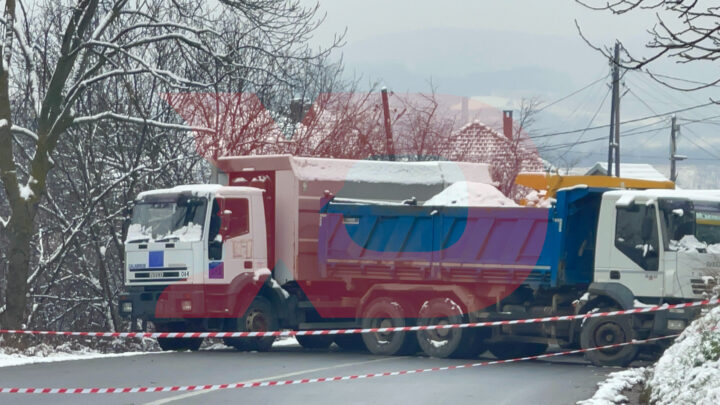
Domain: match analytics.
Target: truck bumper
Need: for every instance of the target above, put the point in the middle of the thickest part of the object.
(673, 321)
(151, 303)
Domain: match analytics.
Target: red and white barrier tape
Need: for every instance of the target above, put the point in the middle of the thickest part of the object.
(369, 330)
(178, 388)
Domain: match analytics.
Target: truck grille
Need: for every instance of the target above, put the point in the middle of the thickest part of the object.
(158, 275)
(700, 286)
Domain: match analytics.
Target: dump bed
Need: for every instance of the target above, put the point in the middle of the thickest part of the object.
(490, 250)
(295, 187)
(475, 245)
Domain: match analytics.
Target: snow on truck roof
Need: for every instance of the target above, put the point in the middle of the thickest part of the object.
(628, 195)
(369, 171)
(201, 189)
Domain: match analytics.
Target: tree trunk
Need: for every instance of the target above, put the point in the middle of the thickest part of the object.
(19, 233)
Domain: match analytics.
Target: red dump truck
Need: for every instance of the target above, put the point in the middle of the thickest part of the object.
(198, 256)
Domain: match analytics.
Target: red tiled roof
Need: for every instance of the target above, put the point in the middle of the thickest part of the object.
(477, 142)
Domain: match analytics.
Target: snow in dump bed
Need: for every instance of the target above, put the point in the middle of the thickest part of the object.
(375, 171)
(470, 194)
(538, 199)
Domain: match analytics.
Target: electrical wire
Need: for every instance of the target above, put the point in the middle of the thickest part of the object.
(623, 122)
(602, 103)
(602, 138)
(573, 93)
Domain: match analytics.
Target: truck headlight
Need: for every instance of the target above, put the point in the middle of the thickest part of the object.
(186, 305)
(676, 324)
(126, 307)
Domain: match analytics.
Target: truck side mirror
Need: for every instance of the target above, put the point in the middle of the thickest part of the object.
(215, 250)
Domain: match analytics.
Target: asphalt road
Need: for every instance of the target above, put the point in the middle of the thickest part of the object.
(562, 380)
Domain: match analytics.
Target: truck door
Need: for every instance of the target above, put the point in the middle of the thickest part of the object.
(636, 252)
(230, 247)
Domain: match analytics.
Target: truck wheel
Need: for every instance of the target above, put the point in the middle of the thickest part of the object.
(607, 331)
(180, 344)
(386, 313)
(315, 342)
(515, 350)
(259, 317)
(350, 343)
(455, 342)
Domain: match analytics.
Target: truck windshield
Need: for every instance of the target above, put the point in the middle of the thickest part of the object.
(691, 226)
(167, 218)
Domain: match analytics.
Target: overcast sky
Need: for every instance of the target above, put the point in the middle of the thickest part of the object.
(503, 51)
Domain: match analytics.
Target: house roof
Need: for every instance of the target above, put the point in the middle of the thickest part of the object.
(478, 142)
(641, 171)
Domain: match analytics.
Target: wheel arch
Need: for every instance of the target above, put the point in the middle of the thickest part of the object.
(614, 294)
(416, 294)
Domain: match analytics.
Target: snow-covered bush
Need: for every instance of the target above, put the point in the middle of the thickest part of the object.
(689, 371)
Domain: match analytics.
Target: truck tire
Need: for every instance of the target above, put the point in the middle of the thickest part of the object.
(514, 350)
(603, 331)
(385, 313)
(180, 344)
(315, 342)
(455, 342)
(350, 342)
(259, 317)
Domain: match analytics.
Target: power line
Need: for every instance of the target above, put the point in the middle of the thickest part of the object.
(641, 101)
(680, 79)
(704, 149)
(627, 134)
(647, 156)
(602, 103)
(699, 120)
(623, 122)
(573, 93)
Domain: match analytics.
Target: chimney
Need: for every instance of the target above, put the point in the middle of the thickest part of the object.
(508, 124)
(465, 117)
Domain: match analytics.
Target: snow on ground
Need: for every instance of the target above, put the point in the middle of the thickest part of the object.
(44, 353)
(610, 390)
(216, 344)
(470, 194)
(687, 373)
(286, 341)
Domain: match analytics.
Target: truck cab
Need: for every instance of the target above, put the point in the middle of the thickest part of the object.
(662, 245)
(189, 249)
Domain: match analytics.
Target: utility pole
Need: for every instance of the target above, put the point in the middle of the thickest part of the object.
(389, 146)
(674, 157)
(614, 141)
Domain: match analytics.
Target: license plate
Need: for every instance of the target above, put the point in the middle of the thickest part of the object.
(156, 274)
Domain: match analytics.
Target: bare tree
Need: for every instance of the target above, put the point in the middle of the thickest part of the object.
(79, 72)
(426, 126)
(686, 31)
